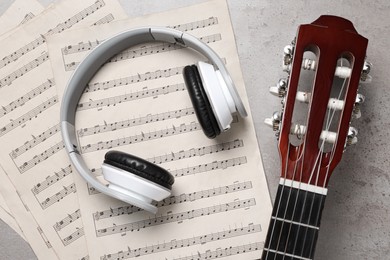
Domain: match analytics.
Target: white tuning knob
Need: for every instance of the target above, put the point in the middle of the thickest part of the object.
(274, 121)
(288, 54)
(365, 77)
(309, 64)
(300, 130)
(333, 103)
(358, 102)
(280, 89)
(352, 136)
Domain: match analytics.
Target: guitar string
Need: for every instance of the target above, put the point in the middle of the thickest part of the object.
(305, 197)
(277, 210)
(328, 124)
(288, 199)
(328, 170)
(280, 198)
(297, 196)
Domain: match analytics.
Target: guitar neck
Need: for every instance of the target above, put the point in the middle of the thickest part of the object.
(295, 221)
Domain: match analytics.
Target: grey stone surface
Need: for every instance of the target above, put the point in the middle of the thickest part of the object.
(356, 218)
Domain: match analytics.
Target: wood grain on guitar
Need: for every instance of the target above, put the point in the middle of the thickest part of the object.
(325, 64)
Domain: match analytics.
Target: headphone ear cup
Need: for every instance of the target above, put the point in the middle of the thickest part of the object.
(136, 180)
(200, 102)
(140, 168)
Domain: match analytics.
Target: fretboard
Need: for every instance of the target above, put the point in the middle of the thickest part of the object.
(295, 222)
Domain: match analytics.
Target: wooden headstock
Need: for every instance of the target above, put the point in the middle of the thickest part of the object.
(337, 51)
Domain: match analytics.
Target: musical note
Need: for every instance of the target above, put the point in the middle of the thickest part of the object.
(182, 198)
(113, 101)
(67, 220)
(7, 80)
(35, 141)
(27, 17)
(183, 128)
(199, 151)
(58, 196)
(196, 25)
(26, 97)
(227, 251)
(50, 180)
(165, 73)
(106, 127)
(186, 242)
(92, 190)
(175, 217)
(14, 56)
(80, 47)
(73, 237)
(143, 51)
(37, 159)
(29, 115)
(209, 166)
(106, 19)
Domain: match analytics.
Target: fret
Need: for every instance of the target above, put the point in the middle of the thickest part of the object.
(295, 222)
(277, 255)
(298, 205)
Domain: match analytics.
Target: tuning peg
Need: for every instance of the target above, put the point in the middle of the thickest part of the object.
(352, 136)
(274, 121)
(333, 103)
(358, 102)
(366, 71)
(280, 89)
(288, 52)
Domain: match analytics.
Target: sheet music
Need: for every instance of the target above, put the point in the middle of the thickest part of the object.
(138, 103)
(18, 13)
(29, 115)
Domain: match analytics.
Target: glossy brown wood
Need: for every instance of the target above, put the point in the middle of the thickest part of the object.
(334, 37)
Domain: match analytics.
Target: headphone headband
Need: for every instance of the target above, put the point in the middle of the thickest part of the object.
(92, 63)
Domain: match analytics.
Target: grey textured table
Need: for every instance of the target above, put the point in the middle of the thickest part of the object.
(356, 218)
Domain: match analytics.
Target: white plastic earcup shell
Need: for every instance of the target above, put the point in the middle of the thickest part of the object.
(213, 86)
(139, 191)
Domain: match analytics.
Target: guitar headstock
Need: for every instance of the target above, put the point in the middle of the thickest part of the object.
(325, 65)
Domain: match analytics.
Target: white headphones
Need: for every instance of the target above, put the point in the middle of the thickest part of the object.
(132, 179)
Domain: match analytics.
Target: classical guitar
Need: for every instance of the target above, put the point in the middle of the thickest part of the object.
(326, 63)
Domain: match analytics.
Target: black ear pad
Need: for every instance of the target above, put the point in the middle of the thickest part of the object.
(140, 167)
(201, 103)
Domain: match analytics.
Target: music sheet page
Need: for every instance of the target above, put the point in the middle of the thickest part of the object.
(45, 194)
(138, 103)
(18, 13)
